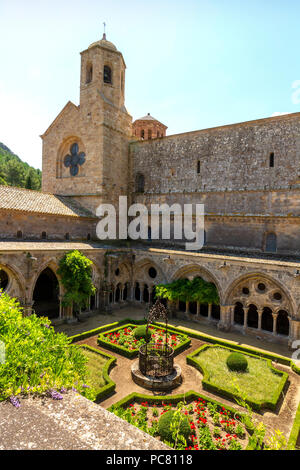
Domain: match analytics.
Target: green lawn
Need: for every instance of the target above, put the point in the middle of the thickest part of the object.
(95, 368)
(259, 383)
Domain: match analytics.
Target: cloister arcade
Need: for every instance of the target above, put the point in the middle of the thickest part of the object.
(252, 303)
(261, 304)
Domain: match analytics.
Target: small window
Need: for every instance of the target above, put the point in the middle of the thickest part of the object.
(107, 75)
(142, 134)
(88, 236)
(198, 167)
(44, 235)
(140, 183)
(89, 73)
(149, 134)
(271, 160)
(271, 243)
(67, 236)
(19, 234)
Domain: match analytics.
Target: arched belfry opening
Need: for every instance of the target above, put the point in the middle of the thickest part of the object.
(89, 73)
(46, 295)
(107, 74)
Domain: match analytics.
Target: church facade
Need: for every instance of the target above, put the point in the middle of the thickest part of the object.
(247, 175)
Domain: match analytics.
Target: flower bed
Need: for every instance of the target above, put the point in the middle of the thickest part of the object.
(123, 341)
(211, 426)
(261, 385)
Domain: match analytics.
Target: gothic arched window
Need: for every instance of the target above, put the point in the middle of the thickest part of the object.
(107, 75)
(140, 183)
(271, 243)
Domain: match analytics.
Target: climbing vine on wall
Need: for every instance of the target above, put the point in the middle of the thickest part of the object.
(197, 290)
(75, 271)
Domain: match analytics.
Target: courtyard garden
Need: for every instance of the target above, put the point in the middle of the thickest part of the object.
(217, 406)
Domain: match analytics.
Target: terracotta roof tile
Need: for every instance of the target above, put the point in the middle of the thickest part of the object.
(27, 200)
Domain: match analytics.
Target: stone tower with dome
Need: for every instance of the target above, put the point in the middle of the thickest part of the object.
(148, 127)
(85, 149)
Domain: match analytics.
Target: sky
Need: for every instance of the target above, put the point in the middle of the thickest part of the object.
(193, 64)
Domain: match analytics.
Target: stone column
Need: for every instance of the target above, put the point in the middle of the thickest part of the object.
(60, 306)
(246, 309)
(209, 311)
(274, 315)
(27, 309)
(198, 310)
(294, 332)
(131, 291)
(225, 318)
(259, 312)
(171, 305)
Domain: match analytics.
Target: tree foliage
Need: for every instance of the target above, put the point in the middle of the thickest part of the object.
(15, 172)
(75, 271)
(197, 290)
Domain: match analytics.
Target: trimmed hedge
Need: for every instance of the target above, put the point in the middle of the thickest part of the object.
(256, 405)
(174, 399)
(132, 354)
(110, 386)
(295, 432)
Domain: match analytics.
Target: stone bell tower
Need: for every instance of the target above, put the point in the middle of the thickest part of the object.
(85, 150)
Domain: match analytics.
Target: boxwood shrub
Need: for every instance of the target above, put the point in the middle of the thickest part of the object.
(164, 425)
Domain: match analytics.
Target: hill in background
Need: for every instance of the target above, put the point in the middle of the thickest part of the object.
(15, 172)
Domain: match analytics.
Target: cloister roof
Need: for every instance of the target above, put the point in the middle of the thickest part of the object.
(27, 200)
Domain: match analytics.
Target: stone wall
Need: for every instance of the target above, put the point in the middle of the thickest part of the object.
(233, 157)
(31, 226)
(228, 170)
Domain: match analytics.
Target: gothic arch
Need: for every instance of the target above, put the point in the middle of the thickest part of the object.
(191, 271)
(51, 264)
(141, 272)
(16, 282)
(260, 298)
(124, 274)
